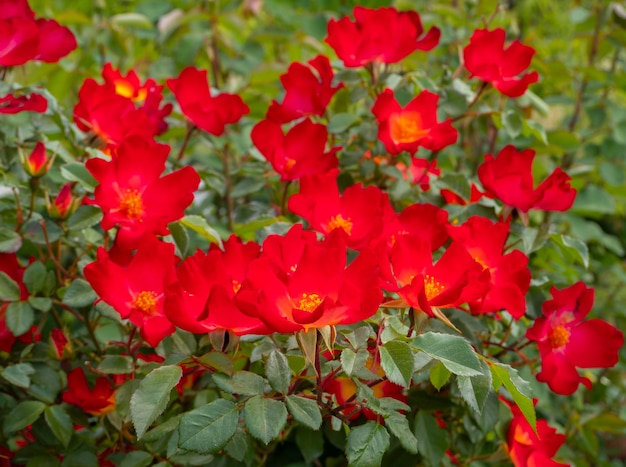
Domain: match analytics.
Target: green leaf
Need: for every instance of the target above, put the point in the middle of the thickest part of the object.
(60, 423)
(431, 439)
(35, 277)
(593, 201)
(453, 351)
(116, 365)
(265, 418)
(277, 371)
(200, 225)
(19, 374)
(207, 429)
(244, 383)
(152, 396)
(131, 20)
(305, 411)
(218, 361)
(76, 172)
(10, 241)
(340, 122)
(23, 414)
(366, 445)
(352, 361)
(439, 375)
(475, 389)
(457, 183)
(239, 445)
(79, 294)
(398, 425)
(180, 236)
(9, 289)
(84, 217)
(398, 361)
(40, 303)
(519, 389)
(310, 442)
(136, 459)
(19, 317)
(572, 248)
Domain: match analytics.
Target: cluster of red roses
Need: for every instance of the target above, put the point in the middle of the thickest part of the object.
(302, 280)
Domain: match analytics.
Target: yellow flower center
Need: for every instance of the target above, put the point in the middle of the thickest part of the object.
(146, 302)
(236, 286)
(338, 222)
(131, 204)
(125, 89)
(406, 127)
(309, 302)
(558, 337)
(289, 163)
(432, 287)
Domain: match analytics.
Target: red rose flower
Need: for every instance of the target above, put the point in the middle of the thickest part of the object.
(64, 204)
(203, 297)
(299, 152)
(133, 195)
(566, 342)
(407, 128)
(308, 90)
(486, 58)
(509, 178)
(509, 274)
(384, 35)
(423, 220)
(456, 277)
(452, 198)
(419, 171)
(37, 163)
(24, 38)
(10, 104)
(97, 401)
(357, 213)
(121, 106)
(208, 113)
(137, 290)
(528, 448)
(299, 283)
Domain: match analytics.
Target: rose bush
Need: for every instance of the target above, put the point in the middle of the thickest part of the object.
(270, 233)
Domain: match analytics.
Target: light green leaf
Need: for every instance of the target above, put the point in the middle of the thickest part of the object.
(180, 236)
(19, 374)
(23, 414)
(76, 172)
(439, 375)
(19, 317)
(305, 411)
(340, 122)
(398, 361)
(475, 389)
(10, 241)
(277, 371)
(9, 289)
(519, 389)
(200, 225)
(79, 294)
(352, 361)
(60, 423)
(265, 418)
(244, 383)
(454, 352)
(218, 361)
(366, 445)
(572, 247)
(152, 396)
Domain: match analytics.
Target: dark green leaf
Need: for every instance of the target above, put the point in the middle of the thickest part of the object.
(352, 361)
(219, 361)
(40, 303)
(152, 396)
(366, 445)
(79, 294)
(572, 247)
(245, 383)
(19, 317)
(22, 415)
(453, 351)
(265, 418)
(439, 375)
(76, 172)
(398, 361)
(340, 122)
(239, 445)
(180, 236)
(35, 277)
(305, 411)
(136, 459)
(431, 439)
(310, 442)
(84, 217)
(19, 374)
(60, 423)
(398, 425)
(207, 429)
(277, 371)
(116, 365)
(9, 289)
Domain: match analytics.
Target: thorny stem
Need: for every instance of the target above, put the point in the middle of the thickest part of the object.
(190, 129)
(91, 332)
(59, 268)
(19, 213)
